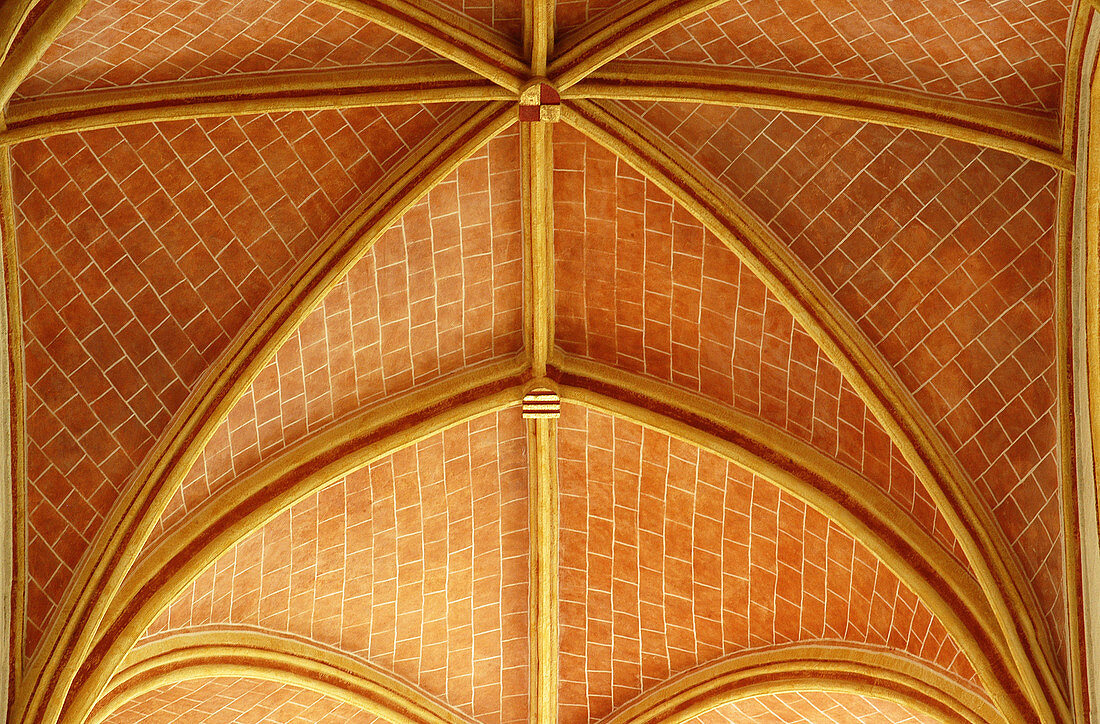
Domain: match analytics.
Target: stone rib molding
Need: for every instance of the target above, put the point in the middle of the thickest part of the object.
(448, 33)
(1033, 686)
(130, 523)
(616, 32)
(1022, 134)
(175, 559)
(268, 92)
(851, 668)
(29, 47)
(212, 651)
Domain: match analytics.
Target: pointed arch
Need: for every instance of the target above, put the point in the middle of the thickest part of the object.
(239, 651)
(42, 693)
(177, 558)
(1034, 689)
(850, 668)
(853, 502)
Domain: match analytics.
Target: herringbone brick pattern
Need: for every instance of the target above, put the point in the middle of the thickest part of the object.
(943, 254)
(142, 252)
(418, 563)
(146, 41)
(642, 286)
(440, 292)
(227, 700)
(672, 557)
(1010, 52)
(813, 707)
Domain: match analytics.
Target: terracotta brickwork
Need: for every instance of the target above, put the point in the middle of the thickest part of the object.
(227, 700)
(503, 16)
(642, 286)
(148, 41)
(672, 557)
(943, 253)
(439, 293)
(1011, 53)
(572, 14)
(418, 563)
(142, 252)
(813, 707)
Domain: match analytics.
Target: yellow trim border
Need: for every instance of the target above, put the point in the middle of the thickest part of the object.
(1030, 136)
(171, 562)
(850, 668)
(270, 92)
(212, 651)
(131, 521)
(1033, 689)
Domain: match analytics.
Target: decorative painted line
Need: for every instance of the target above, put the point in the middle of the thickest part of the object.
(541, 403)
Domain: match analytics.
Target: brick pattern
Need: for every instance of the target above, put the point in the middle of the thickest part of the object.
(571, 15)
(813, 707)
(672, 558)
(943, 254)
(227, 700)
(142, 251)
(1010, 52)
(442, 291)
(418, 563)
(642, 286)
(504, 16)
(146, 41)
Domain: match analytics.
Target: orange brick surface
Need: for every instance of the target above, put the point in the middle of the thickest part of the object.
(439, 293)
(1011, 53)
(227, 700)
(642, 286)
(143, 251)
(148, 41)
(418, 563)
(943, 254)
(672, 557)
(813, 707)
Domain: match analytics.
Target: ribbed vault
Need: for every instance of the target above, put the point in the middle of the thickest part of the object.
(378, 360)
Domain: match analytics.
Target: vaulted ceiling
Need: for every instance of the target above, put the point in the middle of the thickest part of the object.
(494, 361)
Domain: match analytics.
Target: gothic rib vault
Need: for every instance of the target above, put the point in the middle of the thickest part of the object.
(670, 361)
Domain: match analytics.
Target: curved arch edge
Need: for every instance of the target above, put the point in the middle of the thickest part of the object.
(27, 49)
(129, 524)
(446, 32)
(580, 53)
(189, 548)
(266, 92)
(1034, 686)
(239, 651)
(179, 556)
(1027, 135)
(829, 667)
